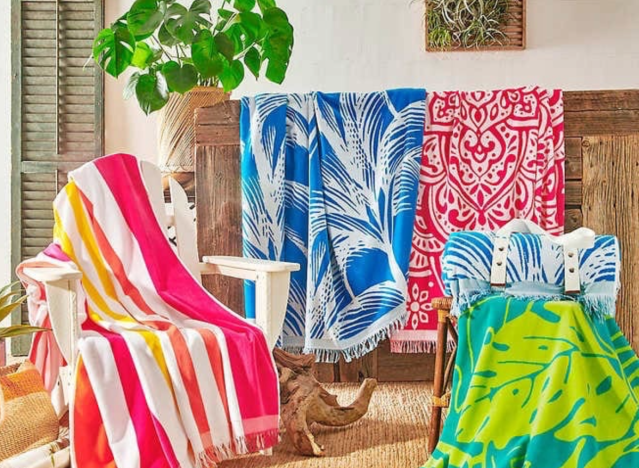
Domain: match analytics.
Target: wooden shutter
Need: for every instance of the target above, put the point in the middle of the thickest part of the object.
(57, 112)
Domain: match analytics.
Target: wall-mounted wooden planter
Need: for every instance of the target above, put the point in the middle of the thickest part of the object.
(515, 31)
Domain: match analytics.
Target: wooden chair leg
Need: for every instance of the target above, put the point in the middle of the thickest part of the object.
(438, 381)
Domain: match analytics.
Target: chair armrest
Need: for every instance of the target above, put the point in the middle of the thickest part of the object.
(51, 275)
(253, 264)
(272, 283)
(244, 268)
(61, 296)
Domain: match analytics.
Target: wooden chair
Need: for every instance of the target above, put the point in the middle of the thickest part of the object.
(443, 367)
(272, 279)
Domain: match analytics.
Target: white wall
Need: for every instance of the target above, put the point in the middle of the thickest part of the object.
(127, 129)
(348, 45)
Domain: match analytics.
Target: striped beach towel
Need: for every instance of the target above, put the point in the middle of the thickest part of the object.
(166, 376)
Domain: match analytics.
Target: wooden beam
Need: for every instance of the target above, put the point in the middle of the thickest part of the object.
(573, 159)
(611, 205)
(218, 214)
(358, 369)
(222, 120)
(579, 101)
(574, 219)
(601, 122)
(326, 372)
(218, 135)
(396, 367)
(217, 128)
(573, 193)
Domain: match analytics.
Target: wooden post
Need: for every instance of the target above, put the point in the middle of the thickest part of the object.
(217, 194)
(442, 305)
(611, 205)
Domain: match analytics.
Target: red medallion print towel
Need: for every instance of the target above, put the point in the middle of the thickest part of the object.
(488, 157)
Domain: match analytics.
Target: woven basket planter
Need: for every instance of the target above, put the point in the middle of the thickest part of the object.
(27, 418)
(176, 129)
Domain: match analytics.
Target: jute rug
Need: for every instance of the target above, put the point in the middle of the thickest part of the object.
(391, 435)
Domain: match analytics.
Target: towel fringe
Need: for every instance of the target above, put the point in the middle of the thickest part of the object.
(208, 458)
(416, 347)
(293, 349)
(597, 306)
(360, 349)
(213, 455)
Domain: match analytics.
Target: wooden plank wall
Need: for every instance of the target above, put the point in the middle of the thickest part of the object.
(611, 204)
(595, 191)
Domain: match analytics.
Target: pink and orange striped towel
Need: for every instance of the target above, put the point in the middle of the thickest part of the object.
(167, 376)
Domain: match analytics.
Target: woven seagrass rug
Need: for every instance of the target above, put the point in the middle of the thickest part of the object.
(392, 434)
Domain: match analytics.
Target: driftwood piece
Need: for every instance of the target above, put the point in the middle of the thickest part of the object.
(305, 401)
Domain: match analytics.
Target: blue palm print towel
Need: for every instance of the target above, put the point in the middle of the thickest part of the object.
(535, 269)
(330, 181)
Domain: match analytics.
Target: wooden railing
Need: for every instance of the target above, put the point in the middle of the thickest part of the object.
(602, 182)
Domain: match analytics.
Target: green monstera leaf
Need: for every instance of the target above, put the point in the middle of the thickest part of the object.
(266, 4)
(129, 89)
(253, 61)
(206, 57)
(152, 92)
(184, 24)
(252, 26)
(166, 38)
(232, 75)
(278, 44)
(145, 55)
(225, 45)
(244, 5)
(144, 17)
(113, 49)
(180, 78)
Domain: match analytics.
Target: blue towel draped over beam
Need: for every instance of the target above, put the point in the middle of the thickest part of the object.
(534, 270)
(330, 181)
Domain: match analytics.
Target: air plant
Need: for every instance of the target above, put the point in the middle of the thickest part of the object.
(466, 23)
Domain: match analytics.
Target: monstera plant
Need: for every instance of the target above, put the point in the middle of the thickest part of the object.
(184, 57)
(174, 48)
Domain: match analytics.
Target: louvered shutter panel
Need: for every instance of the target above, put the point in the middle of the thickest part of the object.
(60, 111)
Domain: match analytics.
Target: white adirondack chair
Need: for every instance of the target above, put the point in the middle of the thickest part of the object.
(272, 279)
